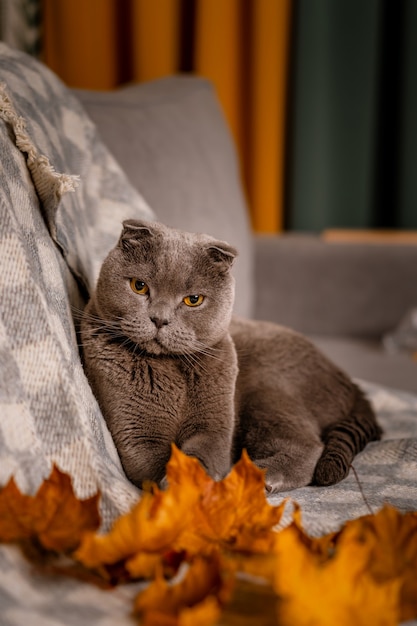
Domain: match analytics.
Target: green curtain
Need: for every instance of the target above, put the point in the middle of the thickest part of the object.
(352, 141)
(407, 176)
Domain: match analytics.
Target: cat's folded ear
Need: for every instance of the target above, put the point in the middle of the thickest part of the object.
(134, 231)
(222, 253)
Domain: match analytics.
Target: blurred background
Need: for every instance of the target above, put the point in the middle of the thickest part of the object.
(320, 95)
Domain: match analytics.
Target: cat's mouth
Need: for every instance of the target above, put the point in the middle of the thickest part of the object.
(161, 346)
(158, 345)
(160, 342)
(147, 340)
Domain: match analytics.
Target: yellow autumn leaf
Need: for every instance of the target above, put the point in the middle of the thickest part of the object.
(364, 574)
(251, 604)
(338, 589)
(195, 515)
(205, 613)
(54, 516)
(196, 599)
(141, 537)
(391, 538)
(232, 513)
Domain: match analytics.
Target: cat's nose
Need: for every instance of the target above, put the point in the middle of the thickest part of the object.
(159, 321)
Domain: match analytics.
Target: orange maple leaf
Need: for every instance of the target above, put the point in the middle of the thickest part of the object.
(251, 604)
(333, 589)
(195, 515)
(54, 516)
(391, 538)
(232, 513)
(364, 574)
(142, 537)
(196, 599)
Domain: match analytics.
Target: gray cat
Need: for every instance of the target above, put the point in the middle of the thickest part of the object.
(168, 363)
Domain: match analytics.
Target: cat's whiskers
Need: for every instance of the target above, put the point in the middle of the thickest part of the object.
(82, 314)
(138, 350)
(213, 353)
(201, 351)
(77, 312)
(99, 326)
(114, 331)
(213, 350)
(192, 360)
(187, 360)
(129, 343)
(108, 330)
(92, 340)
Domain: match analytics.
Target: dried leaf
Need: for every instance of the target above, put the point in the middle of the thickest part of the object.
(391, 538)
(145, 565)
(334, 589)
(54, 516)
(251, 603)
(232, 513)
(364, 574)
(195, 515)
(150, 528)
(206, 613)
(196, 599)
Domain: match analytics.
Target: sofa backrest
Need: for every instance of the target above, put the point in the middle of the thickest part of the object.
(171, 139)
(334, 288)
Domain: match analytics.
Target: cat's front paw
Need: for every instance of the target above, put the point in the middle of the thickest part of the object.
(214, 456)
(278, 478)
(274, 479)
(274, 486)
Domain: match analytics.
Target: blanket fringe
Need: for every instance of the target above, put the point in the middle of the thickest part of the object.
(46, 179)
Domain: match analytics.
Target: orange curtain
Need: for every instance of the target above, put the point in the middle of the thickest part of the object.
(242, 46)
(80, 42)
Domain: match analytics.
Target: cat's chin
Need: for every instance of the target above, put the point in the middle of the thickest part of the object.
(156, 347)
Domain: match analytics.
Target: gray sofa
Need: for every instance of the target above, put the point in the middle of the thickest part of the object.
(62, 199)
(170, 138)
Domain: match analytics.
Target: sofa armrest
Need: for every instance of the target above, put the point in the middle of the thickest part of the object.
(325, 288)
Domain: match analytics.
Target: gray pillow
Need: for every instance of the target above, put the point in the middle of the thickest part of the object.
(172, 141)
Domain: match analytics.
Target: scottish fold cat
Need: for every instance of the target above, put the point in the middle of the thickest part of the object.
(168, 363)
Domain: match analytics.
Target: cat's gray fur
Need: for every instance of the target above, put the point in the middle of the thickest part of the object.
(165, 372)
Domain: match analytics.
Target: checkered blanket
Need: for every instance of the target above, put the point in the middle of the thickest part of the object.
(62, 200)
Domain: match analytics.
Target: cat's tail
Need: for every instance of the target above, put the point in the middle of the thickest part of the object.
(344, 439)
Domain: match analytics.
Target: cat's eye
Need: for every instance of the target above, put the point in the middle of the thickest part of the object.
(139, 287)
(193, 300)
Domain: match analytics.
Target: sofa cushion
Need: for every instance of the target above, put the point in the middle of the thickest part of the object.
(369, 360)
(171, 139)
(346, 296)
(329, 288)
(51, 243)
